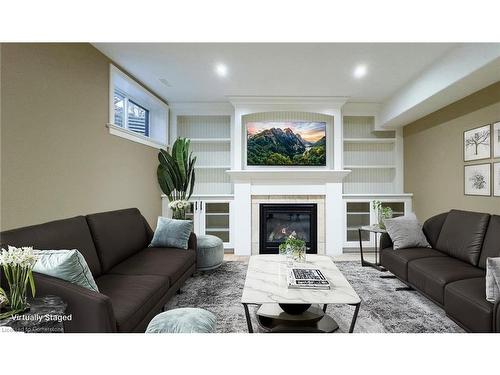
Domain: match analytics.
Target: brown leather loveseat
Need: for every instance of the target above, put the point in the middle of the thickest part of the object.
(452, 273)
(134, 281)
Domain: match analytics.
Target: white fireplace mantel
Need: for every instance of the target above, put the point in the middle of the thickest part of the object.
(292, 176)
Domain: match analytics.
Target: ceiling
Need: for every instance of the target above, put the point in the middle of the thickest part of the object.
(274, 69)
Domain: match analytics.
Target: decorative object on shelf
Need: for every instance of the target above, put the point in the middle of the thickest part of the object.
(17, 264)
(382, 213)
(294, 248)
(286, 143)
(477, 179)
(496, 140)
(496, 179)
(179, 209)
(477, 143)
(176, 175)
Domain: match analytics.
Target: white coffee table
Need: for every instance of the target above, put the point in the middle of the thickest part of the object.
(266, 283)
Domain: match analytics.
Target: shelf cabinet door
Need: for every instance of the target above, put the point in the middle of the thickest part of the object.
(215, 219)
(357, 215)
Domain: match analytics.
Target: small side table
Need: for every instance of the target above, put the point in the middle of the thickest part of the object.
(377, 230)
(45, 315)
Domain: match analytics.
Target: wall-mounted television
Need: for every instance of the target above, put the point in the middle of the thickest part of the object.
(286, 143)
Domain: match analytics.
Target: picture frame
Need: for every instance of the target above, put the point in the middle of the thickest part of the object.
(477, 143)
(496, 179)
(495, 139)
(477, 179)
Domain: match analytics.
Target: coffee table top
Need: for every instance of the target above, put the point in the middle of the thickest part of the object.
(266, 282)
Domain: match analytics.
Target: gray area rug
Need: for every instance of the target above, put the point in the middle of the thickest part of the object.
(382, 308)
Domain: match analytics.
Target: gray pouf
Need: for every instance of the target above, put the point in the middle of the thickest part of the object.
(210, 252)
(183, 320)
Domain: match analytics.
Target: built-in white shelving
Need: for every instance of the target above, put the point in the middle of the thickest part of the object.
(371, 155)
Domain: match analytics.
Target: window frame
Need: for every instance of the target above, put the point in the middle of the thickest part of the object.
(157, 110)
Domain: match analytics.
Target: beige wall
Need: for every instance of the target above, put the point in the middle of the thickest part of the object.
(58, 159)
(433, 145)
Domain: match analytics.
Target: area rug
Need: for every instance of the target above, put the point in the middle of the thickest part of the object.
(383, 309)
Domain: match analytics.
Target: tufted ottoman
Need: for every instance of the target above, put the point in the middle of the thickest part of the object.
(183, 320)
(210, 252)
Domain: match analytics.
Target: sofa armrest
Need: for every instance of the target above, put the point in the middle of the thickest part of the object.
(385, 241)
(496, 317)
(90, 311)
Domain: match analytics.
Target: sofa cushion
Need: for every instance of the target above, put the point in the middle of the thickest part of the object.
(132, 296)
(462, 235)
(70, 233)
(117, 235)
(431, 275)
(396, 261)
(491, 245)
(465, 301)
(169, 262)
(432, 228)
(172, 233)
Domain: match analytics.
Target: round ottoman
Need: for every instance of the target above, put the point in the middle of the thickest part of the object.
(210, 252)
(183, 320)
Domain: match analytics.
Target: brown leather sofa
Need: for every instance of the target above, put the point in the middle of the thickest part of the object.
(452, 273)
(134, 280)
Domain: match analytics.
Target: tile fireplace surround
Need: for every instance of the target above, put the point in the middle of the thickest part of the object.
(319, 200)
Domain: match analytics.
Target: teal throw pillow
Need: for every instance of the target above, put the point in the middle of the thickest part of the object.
(183, 320)
(172, 233)
(69, 265)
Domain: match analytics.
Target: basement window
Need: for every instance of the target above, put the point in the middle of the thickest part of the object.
(136, 114)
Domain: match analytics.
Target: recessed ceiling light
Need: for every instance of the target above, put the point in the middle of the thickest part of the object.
(360, 71)
(221, 70)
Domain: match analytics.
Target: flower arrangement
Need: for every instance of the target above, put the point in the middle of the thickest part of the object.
(179, 208)
(382, 213)
(294, 247)
(17, 264)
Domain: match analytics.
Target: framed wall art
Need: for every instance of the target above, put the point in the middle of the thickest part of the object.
(477, 143)
(496, 179)
(495, 139)
(477, 179)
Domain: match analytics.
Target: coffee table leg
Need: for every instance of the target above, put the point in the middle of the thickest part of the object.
(249, 321)
(353, 322)
(324, 307)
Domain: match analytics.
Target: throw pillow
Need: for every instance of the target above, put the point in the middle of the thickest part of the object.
(493, 279)
(406, 231)
(69, 265)
(172, 233)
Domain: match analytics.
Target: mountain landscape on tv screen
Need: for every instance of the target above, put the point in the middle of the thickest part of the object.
(277, 146)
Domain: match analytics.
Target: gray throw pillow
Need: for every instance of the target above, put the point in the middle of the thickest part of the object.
(69, 265)
(493, 279)
(405, 232)
(172, 233)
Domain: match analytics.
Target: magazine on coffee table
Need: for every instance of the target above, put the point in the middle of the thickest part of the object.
(307, 278)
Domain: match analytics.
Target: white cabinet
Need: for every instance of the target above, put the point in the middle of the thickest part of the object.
(359, 212)
(210, 216)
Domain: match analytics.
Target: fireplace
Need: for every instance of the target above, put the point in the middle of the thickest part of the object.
(278, 221)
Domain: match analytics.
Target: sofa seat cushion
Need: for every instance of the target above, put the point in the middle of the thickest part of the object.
(465, 301)
(169, 262)
(431, 275)
(396, 261)
(132, 296)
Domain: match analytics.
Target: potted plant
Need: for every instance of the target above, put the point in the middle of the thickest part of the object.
(294, 248)
(382, 213)
(176, 176)
(17, 265)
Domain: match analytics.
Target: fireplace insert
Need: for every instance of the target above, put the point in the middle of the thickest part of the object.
(278, 221)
